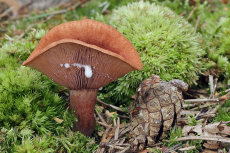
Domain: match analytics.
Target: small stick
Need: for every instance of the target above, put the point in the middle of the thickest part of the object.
(188, 112)
(117, 129)
(172, 148)
(216, 79)
(211, 138)
(105, 7)
(198, 21)
(101, 118)
(201, 100)
(109, 105)
(211, 86)
(108, 121)
(187, 148)
(114, 129)
(124, 128)
(226, 122)
(110, 150)
(127, 148)
(123, 132)
(122, 141)
(206, 115)
(191, 13)
(203, 106)
(123, 116)
(106, 125)
(203, 25)
(116, 147)
(106, 132)
(184, 13)
(197, 115)
(189, 105)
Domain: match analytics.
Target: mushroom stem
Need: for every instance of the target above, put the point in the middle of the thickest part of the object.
(83, 103)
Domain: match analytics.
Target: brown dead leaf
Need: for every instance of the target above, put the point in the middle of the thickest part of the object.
(225, 9)
(208, 151)
(225, 131)
(212, 129)
(187, 129)
(100, 133)
(110, 113)
(212, 145)
(198, 129)
(58, 120)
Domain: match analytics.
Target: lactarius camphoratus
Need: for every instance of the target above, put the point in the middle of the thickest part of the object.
(84, 56)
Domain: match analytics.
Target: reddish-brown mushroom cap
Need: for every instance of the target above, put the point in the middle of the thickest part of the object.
(93, 33)
(84, 56)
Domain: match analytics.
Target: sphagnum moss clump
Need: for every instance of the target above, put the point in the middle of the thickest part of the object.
(167, 44)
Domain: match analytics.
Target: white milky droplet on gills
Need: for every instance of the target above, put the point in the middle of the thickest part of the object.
(67, 65)
(100, 88)
(88, 70)
(61, 65)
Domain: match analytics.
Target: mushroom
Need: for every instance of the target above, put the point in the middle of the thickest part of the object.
(84, 56)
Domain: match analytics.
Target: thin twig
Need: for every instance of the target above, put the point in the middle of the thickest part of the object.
(110, 150)
(122, 141)
(123, 132)
(187, 148)
(198, 21)
(202, 100)
(127, 148)
(106, 125)
(189, 105)
(191, 13)
(101, 118)
(117, 129)
(184, 13)
(109, 105)
(211, 87)
(211, 138)
(124, 128)
(123, 116)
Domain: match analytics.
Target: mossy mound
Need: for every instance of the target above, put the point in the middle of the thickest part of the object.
(33, 114)
(217, 36)
(167, 44)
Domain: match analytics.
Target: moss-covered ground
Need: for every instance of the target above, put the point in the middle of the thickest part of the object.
(34, 111)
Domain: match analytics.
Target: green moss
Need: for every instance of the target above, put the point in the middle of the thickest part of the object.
(29, 103)
(214, 27)
(167, 44)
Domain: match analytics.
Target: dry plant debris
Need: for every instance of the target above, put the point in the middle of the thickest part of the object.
(214, 135)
